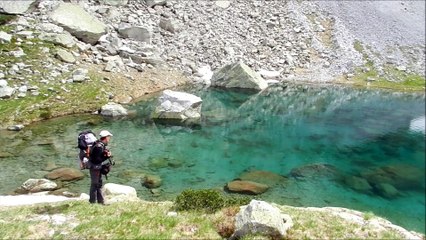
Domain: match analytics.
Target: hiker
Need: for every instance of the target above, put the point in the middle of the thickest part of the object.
(98, 154)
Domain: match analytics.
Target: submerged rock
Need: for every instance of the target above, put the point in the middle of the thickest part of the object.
(264, 177)
(358, 184)
(151, 181)
(238, 75)
(65, 174)
(178, 106)
(314, 170)
(261, 218)
(246, 187)
(386, 190)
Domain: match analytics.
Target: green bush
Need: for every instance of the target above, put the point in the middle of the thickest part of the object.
(207, 200)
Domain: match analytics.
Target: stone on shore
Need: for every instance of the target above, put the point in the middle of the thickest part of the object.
(65, 174)
(119, 193)
(138, 33)
(38, 185)
(261, 218)
(175, 105)
(246, 187)
(112, 109)
(61, 39)
(78, 22)
(238, 75)
(6, 92)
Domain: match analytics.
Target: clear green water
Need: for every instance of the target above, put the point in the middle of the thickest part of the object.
(350, 132)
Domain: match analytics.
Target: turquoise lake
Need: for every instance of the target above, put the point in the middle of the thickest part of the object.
(335, 146)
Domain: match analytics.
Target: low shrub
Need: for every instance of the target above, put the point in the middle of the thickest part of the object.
(207, 200)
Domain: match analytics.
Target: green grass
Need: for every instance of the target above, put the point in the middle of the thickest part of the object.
(149, 220)
(391, 79)
(81, 97)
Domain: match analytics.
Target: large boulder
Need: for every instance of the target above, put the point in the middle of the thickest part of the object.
(6, 92)
(78, 22)
(261, 218)
(112, 109)
(246, 187)
(264, 177)
(175, 105)
(112, 189)
(65, 174)
(138, 33)
(38, 185)
(238, 75)
(15, 7)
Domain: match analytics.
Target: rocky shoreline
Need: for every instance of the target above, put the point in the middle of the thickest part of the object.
(59, 52)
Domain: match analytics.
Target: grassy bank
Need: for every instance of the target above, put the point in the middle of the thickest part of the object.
(150, 220)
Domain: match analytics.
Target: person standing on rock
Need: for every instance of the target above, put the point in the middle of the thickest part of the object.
(98, 155)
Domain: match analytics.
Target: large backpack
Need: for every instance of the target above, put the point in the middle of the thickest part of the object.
(85, 139)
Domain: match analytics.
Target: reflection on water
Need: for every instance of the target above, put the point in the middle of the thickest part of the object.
(331, 147)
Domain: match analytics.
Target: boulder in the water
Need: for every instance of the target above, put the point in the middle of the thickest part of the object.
(180, 106)
(314, 170)
(387, 191)
(152, 181)
(358, 184)
(65, 174)
(246, 187)
(418, 125)
(238, 75)
(264, 177)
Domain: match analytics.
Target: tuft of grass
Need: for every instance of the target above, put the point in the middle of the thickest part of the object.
(5, 18)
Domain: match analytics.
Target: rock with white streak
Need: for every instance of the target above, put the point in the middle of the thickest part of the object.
(39, 185)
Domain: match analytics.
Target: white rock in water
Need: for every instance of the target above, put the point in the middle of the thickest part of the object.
(418, 124)
(178, 105)
(112, 109)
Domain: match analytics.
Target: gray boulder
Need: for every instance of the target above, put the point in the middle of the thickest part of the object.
(15, 7)
(261, 218)
(175, 105)
(80, 75)
(153, 3)
(238, 75)
(171, 25)
(138, 33)
(78, 22)
(112, 109)
(6, 92)
(65, 56)
(114, 2)
(61, 39)
(39, 185)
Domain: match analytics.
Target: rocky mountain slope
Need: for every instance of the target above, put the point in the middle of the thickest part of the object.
(51, 45)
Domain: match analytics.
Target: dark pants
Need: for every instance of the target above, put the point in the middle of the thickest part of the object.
(95, 186)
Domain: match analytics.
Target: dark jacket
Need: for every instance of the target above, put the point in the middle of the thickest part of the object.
(98, 153)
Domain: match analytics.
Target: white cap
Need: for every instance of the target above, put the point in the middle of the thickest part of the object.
(105, 133)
